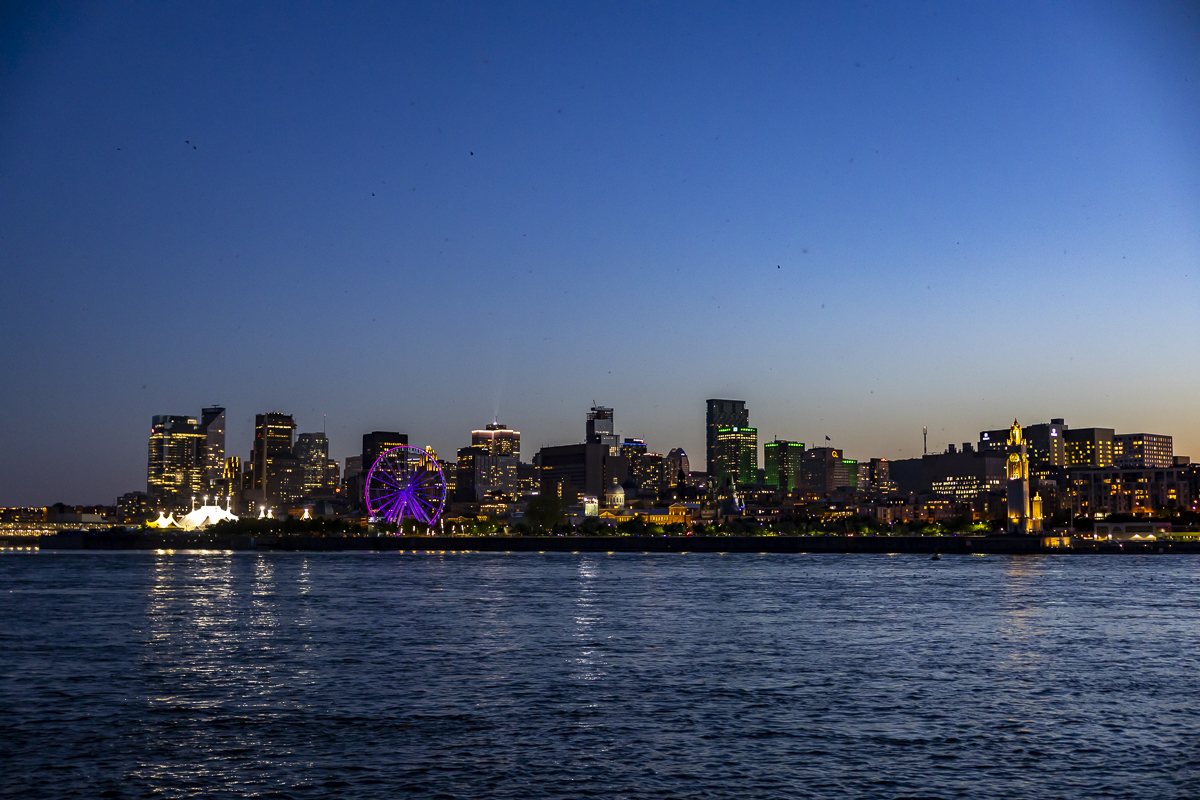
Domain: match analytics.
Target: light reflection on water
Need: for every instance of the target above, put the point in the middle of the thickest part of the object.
(180, 674)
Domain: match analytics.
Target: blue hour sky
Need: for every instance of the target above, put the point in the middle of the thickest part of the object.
(858, 218)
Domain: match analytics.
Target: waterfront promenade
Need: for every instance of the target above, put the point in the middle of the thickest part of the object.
(982, 545)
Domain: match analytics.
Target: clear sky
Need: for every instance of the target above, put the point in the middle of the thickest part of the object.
(859, 218)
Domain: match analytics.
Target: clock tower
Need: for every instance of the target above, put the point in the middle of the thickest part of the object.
(1024, 514)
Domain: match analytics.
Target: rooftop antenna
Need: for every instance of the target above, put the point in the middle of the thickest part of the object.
(925, 437)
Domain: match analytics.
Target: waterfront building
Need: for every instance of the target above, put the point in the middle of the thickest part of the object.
(212, 421)
(1024, 512)
(1089, 447)
(1135, 450)
(783, 461)
(721, 414)
(499, 439)
(736, 457)
(175, 461)
(1100, 492)
(134, 508)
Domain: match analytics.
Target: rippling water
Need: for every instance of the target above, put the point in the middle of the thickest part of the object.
(558, 675)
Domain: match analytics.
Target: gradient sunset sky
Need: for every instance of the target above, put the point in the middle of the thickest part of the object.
(859, 218)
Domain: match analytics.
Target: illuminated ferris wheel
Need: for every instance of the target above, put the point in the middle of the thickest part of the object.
(405, 483)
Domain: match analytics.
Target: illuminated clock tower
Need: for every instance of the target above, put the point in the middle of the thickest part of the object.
(1024, 515)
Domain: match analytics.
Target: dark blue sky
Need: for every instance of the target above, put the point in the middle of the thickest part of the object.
(859, 218)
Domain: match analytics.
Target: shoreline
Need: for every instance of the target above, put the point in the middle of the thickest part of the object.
(980, 545)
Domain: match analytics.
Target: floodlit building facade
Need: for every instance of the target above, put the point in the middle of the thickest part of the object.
(176, 461)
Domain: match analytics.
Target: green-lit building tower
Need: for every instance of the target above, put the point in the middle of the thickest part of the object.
(736, 457)
(782, 463)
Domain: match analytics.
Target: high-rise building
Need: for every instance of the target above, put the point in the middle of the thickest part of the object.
(1089, 447)
(736, 457)
(783, 460)
(175, 466)
(631, 448)
(824, 469)
(721, 414)
(275, 470)
(1137, 450)
(648, 471)
(877, 477)
(319, 471)
(212, 421)
(499, 439)
(376, 442)
(479, 472)
(575, 470)
(1046, 443)
(352, 473)
(677, 468)
(600, 427)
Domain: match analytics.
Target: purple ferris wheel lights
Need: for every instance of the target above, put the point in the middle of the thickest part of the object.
(405, 483)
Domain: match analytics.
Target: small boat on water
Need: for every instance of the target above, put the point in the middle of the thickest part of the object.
(936, 557)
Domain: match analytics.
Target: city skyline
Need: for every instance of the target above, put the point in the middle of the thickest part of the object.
(860, 221)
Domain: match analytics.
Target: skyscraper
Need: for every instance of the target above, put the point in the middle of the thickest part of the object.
(499, 440)
(175, 464)
(375, 443)
(721, 414)
(212, 421)
(736, 457)
(677, 468)
(782, 461)
(318, 470)
(275, 471)
(600, 427)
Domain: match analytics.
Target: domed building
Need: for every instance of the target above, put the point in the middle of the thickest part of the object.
(615, 496)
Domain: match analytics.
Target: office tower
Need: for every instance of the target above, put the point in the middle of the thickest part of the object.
(1136, 450)
(375, 443)
(631, 448)
(212, 422)
(275, 471)
(600, 427)
(1089, 447)
(677, 468)
(499, 439)
(736, 457)
(824, 469)
(648, 471)
(721, 414)
(1046, 443)
(352, 472)
(783, 461)
(175, 466)
(879, 476)
(572, 471)
(318, 471)
(479, 473)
